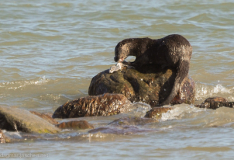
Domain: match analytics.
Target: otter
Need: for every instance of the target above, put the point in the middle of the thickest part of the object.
(173, 51)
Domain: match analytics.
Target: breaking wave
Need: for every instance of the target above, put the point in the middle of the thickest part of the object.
(204, 91)
(21, 84)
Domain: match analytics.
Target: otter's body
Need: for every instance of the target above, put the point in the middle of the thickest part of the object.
(174, 51)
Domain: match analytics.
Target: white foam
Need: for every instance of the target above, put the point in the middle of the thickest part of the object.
(220, 89)
(138, 109)
(179, 111)
(13, 135)
(209, 91)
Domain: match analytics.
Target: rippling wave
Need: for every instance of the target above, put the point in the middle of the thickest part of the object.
(51, 49)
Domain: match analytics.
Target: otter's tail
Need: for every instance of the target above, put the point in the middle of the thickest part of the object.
(182, 72)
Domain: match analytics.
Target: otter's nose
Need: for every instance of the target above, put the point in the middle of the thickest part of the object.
(116, 59)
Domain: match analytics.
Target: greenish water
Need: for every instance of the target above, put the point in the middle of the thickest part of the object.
(50, 50)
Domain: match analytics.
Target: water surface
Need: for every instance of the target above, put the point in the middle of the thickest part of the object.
(50, 50)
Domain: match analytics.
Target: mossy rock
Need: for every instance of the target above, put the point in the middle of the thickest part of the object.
(150, 84)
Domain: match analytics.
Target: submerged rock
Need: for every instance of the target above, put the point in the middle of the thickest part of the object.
(102, 105)
(81, 124)
(46, 116)
(125, 125)
(15, 119)
(156, 112)
(131, 121)
(215, 102)
(150, 84)
(120, 130)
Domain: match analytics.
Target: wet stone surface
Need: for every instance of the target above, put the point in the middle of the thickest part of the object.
(102, 105)
(46, 116)
(215, 102)
(78, 124)
(16, 119)
(149, 84)
(156, 112)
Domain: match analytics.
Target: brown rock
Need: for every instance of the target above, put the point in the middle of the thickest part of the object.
(186, 92)
(156, 112)
(215, 102)
(45, 116)
(229, 104)
(81, 124)
(149, 84)
(102, 105)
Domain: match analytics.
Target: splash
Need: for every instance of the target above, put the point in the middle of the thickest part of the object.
(138, 109)
(220, 89)
(15, 126)
(205, 91)
(180, 111)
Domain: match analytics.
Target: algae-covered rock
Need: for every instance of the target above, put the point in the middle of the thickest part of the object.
(150, 84)
(78, 124)
(215, 102)
(156, 112)
(102, 105)
(16, 119)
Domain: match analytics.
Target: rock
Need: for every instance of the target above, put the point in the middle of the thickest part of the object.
(186, 92)
(131, 121)
(125, 130)
(102, 105)
(156, 112)
(81, 124)
(125, 125)
(149, 84)
(46, 116)
(16, 119)
(215, 102)
(228, 104)
(2, 137)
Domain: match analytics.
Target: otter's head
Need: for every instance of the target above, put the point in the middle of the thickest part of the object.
(123, 50)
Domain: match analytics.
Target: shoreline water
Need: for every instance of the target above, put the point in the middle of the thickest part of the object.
(50, 50)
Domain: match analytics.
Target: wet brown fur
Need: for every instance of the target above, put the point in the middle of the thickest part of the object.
(174, 51)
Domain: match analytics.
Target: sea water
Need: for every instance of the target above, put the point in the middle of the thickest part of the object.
(51, 49)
